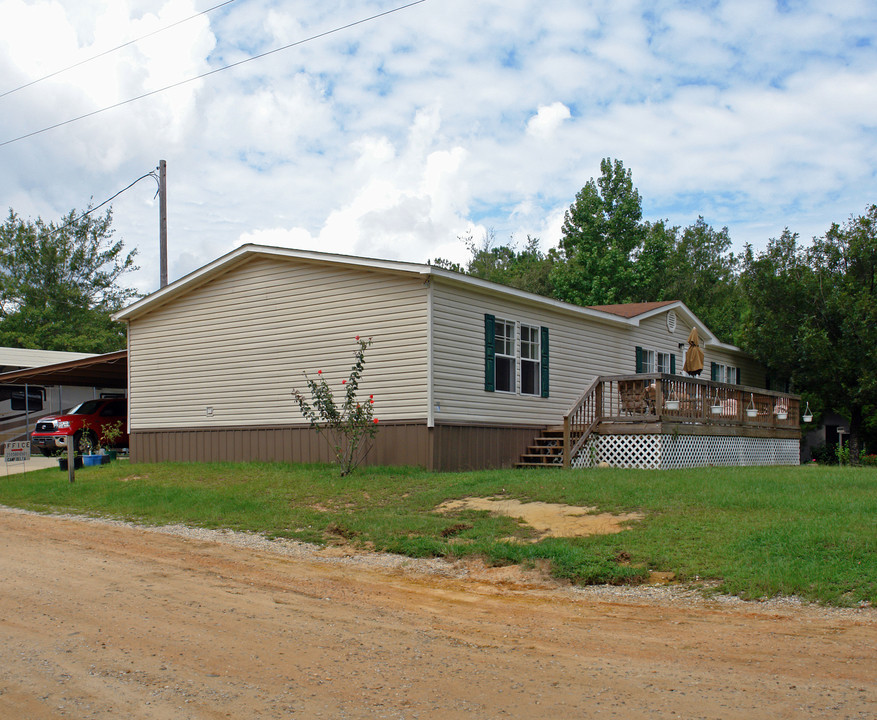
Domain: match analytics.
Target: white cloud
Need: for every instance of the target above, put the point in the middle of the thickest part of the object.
(546, 121)
(392, 138)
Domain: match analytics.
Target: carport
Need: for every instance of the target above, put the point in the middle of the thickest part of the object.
(108, 371)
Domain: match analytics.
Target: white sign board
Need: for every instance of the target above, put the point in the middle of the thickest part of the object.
(17, 451)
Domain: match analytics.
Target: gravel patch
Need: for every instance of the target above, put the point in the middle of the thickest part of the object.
(698, 593)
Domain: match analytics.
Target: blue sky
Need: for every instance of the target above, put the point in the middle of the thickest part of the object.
(393, 138)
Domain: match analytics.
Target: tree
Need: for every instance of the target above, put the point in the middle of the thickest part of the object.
(702, 272)
(602, 232)
(59, 284)
(349, 427)
(815, 320)
(526, 269)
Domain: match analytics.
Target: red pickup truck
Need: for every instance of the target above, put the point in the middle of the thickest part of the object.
(88, 419)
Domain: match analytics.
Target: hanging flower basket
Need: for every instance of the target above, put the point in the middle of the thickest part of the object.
(671, 405)
(751, 410)
(716, 409)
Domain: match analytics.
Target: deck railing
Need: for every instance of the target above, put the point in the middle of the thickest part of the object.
(675, 399)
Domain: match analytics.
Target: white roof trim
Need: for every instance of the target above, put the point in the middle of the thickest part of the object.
(241, 254)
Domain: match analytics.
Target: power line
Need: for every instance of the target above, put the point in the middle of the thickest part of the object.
(88, 212)
(212, 72)
(107, 52)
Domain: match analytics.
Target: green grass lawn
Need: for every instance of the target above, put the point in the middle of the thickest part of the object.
(808, 531)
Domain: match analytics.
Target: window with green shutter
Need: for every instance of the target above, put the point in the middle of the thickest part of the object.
(509, 347)
(489, 353)
(544, 369)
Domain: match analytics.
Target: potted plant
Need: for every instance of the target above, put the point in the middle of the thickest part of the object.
(110, 436)
(716, 407)
(751, 410)
(781, 410)
(88, 447)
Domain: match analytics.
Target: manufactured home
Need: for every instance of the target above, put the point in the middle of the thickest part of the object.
(464, 373)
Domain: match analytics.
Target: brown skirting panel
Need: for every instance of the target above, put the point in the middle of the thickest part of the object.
(395, 444)
(444, 447)
(476, 447)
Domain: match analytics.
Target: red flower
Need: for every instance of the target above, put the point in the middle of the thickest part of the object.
(319, 372)
(375, 421)
(371, 397)
(343, 382)
(372, 402)
(357, 337)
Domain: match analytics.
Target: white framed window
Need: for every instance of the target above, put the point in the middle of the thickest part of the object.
(506, 374)
(725, 373)
(530, 360)
(663, 360)
(655, 361)
(515, 357)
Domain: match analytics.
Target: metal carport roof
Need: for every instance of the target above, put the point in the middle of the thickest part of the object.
(108, 370)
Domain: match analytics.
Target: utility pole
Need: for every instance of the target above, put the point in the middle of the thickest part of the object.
(162, 221)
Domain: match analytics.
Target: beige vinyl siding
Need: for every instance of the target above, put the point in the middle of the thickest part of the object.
(654, 335)
(579, 350)
(752, 373)
(241, 343)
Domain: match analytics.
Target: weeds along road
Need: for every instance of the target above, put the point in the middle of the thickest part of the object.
(108, 621)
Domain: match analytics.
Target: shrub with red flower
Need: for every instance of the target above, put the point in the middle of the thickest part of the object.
(350, 427)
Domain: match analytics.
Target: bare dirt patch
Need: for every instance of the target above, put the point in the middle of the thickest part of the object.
(548, 519)
(103, 620)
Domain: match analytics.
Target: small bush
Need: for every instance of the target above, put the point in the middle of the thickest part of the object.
(824, 454)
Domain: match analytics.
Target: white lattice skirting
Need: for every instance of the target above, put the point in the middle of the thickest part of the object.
(667, 452)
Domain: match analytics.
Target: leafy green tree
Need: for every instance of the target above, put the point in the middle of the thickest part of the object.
(59, 284)
(777, 285)
(526, 269)
(703, 273)
(812, 316)
(654, 265)
(602, 233)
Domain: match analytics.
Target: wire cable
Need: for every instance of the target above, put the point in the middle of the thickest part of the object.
(212, 72)
(88, 212)
(112, 50)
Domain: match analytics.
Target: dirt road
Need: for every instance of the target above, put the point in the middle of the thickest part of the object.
(107, 621)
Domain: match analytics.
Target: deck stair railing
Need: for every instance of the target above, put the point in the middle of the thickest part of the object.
(581, 420)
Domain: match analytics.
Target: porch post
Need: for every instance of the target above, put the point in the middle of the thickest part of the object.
(659, 397)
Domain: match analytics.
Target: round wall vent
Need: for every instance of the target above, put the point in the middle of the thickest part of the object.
(671, 321)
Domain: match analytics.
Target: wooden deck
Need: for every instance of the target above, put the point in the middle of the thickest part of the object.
(677, 405)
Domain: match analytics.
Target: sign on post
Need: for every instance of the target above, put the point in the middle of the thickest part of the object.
(17, 451)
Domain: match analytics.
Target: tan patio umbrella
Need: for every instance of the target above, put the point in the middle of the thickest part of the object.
(694, 355)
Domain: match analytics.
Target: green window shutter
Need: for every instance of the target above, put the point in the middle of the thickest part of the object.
(714, 372)
(767, 382)
(639, 359)
(489, 353)
(738, 377)
(544, 348)
(673, 364)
